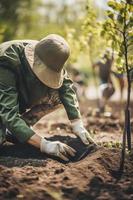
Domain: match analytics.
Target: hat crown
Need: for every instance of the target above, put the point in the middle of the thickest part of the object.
(53, 51)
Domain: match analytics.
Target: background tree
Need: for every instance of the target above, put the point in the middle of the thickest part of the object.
(77, 21)
(12, 15)
(91, 31)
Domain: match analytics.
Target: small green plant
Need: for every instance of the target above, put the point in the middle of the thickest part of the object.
(111, 144)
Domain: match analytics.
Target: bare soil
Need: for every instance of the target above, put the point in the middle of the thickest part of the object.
(93, 173)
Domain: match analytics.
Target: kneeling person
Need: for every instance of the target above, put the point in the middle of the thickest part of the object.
(29, 71)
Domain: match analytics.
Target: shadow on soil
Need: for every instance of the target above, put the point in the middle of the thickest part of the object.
(23, 154)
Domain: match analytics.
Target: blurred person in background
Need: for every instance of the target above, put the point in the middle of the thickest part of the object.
(79, 83)
(106, 88)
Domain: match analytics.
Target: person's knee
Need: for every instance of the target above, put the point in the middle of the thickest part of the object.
(106, 90)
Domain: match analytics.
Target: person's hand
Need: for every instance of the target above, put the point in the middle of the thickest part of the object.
(82, 133)
(56, 148)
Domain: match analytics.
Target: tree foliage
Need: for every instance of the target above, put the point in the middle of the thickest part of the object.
(76, 21)
(34, 19)
(118, 31)
(91, 29)
(13, 15)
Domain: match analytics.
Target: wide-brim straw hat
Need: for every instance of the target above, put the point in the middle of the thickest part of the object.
(47, 58)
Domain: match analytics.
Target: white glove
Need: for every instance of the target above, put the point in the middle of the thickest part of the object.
(81, 132)
(56, 148)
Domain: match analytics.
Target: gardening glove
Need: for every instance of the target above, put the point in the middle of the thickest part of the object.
(56, 148)
(81, 132)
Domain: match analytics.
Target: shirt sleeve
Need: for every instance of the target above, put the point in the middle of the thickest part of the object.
(69, 99)
(9, 109)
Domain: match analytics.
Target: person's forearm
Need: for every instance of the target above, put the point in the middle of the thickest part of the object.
(35, 140)
(70, 102)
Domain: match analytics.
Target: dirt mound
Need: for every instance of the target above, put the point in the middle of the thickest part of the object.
(91, 174)
(23, 154)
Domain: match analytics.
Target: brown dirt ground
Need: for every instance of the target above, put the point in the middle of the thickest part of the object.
(25, 173)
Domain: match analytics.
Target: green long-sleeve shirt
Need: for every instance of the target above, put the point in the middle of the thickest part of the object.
(20, 89)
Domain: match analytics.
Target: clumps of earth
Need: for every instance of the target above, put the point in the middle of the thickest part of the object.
(93, 173)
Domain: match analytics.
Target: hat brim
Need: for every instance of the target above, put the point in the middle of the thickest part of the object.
(47, 76)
